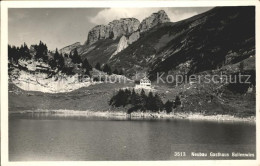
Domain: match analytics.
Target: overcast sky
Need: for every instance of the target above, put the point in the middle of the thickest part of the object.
(59, 27)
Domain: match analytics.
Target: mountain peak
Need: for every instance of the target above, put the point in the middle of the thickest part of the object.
(114, 29)
(153, 20)
(125, 26)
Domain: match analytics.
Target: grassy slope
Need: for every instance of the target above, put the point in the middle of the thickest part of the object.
(195, 98)
(99, 51)
(220, 39)
(94, 97)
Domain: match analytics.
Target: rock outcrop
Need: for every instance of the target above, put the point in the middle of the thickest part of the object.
(123, 43)
(68, 49)
(103, 40)
(115, 29)
(133, 37)
(126, 26)
(153, 20)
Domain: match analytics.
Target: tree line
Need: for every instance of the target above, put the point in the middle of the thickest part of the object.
(15, 53)
(107, 69)
(55, 61)
(142, 101)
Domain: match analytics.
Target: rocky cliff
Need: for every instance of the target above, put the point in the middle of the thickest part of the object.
(125, 26)
(153, 20)
(124, 42)
(104, 39)
(133, 37)
(115, 29)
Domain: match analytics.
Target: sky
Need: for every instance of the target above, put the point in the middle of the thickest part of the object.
(59, 27)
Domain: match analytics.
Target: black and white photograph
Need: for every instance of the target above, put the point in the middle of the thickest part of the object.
(141, 83)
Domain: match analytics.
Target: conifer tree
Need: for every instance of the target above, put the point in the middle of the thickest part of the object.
(98, 66)
(75, 57)
(158, 103)
(24, 52)
(107, 69)
(133, 98)
(86, 65)
(56, 55)
(143, 99)
(115, 71)
(41, 52)
(13, 54)
(121, 72)
(168, 106)
(70, 55)
(58, 60)
(10, 53)
(150, 105)
(177, 101)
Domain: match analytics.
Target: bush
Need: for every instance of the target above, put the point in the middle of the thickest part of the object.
(168, 106)
(177, 102)
(137, 101)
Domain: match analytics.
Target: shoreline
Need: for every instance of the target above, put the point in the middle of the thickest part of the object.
(139, 115)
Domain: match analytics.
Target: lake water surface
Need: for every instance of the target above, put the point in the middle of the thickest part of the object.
(49, 137)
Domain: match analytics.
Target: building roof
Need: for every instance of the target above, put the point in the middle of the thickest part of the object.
(145, 79)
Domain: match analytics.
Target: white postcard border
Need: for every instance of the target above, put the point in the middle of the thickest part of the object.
(101, 4)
